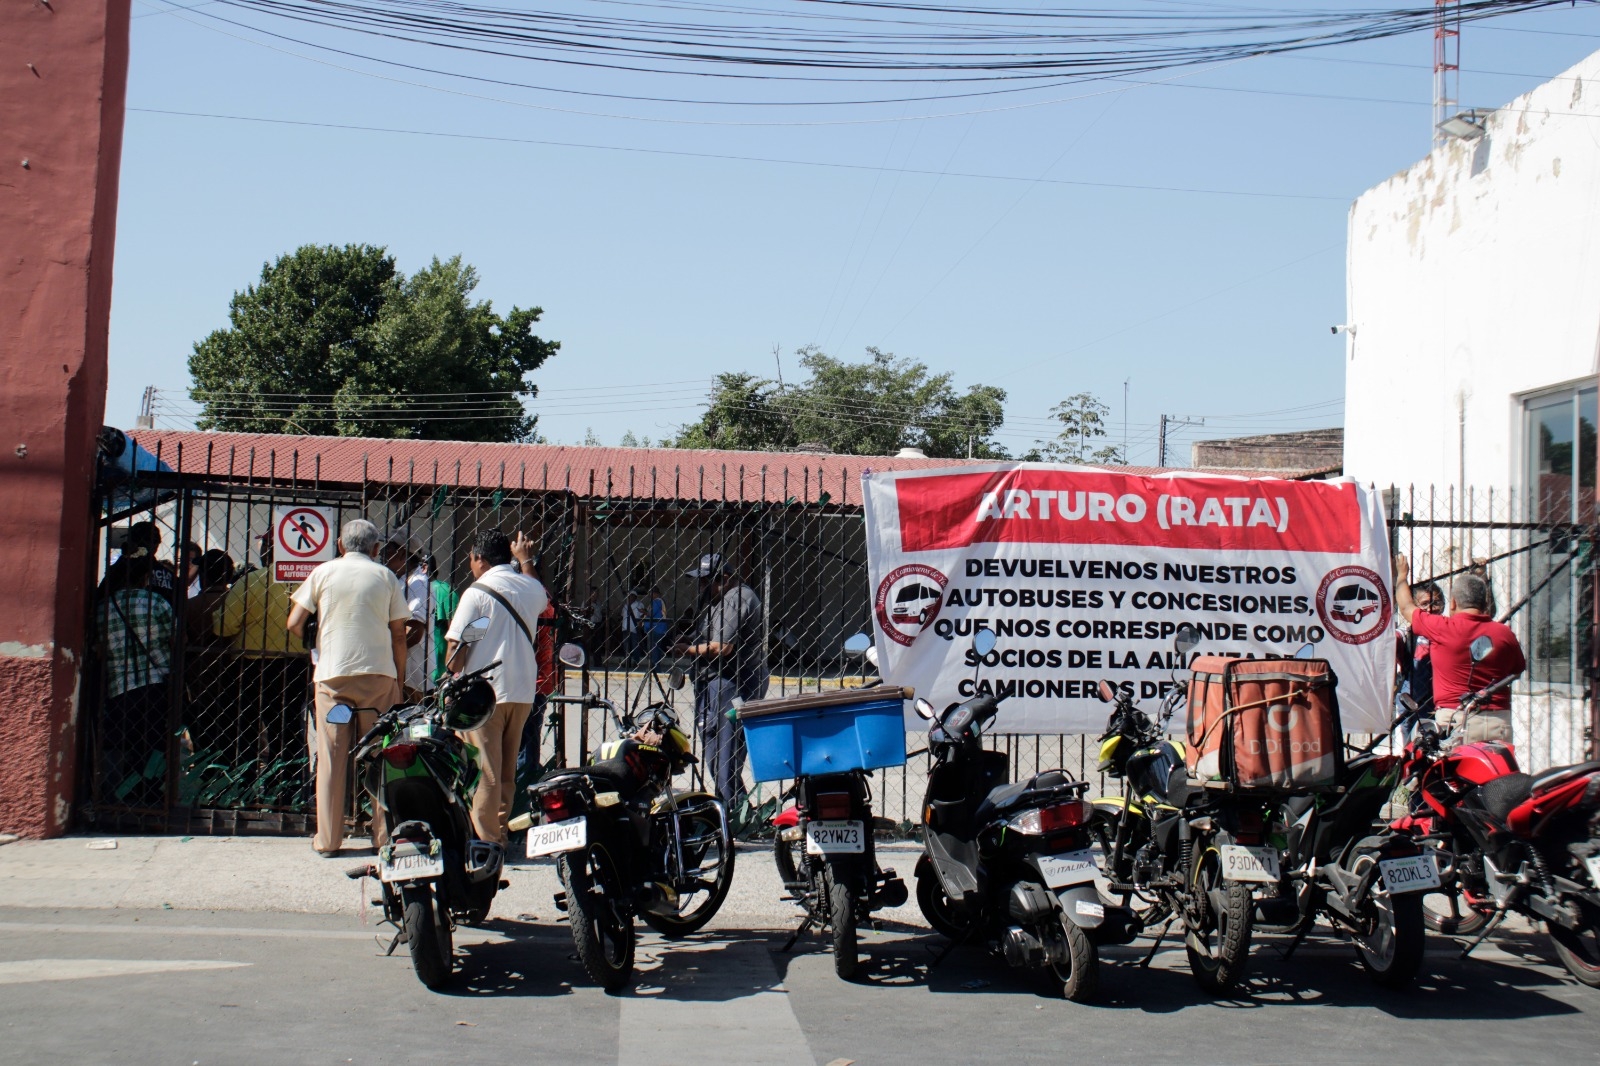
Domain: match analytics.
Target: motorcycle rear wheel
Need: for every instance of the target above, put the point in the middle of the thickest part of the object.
(427, 930)
(1219, 951)
(842, 917)
(602, 931)
(1579, 949)
(1079, 979)
(702, 838)
(1391, 952)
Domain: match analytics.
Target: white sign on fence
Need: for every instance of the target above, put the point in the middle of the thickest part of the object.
(1085, 574)
(302, 538)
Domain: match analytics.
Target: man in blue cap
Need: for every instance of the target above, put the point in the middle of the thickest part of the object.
(731, 663)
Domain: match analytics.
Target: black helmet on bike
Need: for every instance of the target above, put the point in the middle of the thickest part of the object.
(467, 705)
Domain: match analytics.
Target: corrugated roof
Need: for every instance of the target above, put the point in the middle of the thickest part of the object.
(638, 473)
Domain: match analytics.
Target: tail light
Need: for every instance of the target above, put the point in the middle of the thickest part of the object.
(833, 805)
(400, 756)
(1249, 826)
(1051, 819)
(556, 805)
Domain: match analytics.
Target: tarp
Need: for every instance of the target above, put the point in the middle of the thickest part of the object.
(1085, 574)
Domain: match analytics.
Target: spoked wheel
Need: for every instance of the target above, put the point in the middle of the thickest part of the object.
(602, 929)
(937, 907)
(842, 919)
(708, 871)
(427, 930)
(1218, 938)
(1078, 976)
(1390, 942)
(1579, 949)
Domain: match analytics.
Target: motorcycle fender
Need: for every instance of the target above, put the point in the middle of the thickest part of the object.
(683, 800)
(1082, 906)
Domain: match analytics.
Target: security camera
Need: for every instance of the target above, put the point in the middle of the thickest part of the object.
(1343, 329)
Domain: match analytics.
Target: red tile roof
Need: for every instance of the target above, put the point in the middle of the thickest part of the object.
(640, 473)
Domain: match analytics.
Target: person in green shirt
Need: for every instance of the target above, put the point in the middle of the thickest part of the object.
(445, 601)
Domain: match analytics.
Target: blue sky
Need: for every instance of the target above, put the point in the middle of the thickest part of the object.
(1202, 259)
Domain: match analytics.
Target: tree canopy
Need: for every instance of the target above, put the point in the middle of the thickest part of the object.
(875, 407)
(1083, 426)
(337, 341)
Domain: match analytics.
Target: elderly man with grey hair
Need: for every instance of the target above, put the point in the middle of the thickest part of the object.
(361, 614)
(1450, 640)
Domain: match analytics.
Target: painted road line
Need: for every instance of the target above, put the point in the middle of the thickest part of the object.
(30, 971)
(709, 1005)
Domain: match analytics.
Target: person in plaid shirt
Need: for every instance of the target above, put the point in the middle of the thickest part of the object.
(135, 627)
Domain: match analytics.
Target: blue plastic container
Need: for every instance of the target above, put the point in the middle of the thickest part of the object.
(825, 733)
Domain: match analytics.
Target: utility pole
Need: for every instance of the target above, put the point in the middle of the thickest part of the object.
(147, 416)
(1446, 64)
(1125, 420)
(1175, 422)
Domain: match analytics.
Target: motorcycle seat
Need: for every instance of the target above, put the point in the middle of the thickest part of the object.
(1502, 795)
(1003, 797)
(1557, 775)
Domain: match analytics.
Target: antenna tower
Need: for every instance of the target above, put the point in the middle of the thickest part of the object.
(1446, 64)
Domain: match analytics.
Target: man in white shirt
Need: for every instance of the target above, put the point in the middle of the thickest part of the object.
(512, 602)
(403, 554)
(361, 617)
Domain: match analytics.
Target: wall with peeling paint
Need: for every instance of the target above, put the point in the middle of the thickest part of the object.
(1474, 278)
(63, 80)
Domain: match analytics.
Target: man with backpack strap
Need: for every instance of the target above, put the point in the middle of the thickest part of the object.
(512, 602)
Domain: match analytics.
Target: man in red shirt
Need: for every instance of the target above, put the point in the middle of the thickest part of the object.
(1450, 638)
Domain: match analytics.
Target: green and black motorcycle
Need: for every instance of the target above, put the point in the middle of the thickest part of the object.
(434, 872)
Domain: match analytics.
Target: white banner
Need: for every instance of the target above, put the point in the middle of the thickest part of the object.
(1085, 574)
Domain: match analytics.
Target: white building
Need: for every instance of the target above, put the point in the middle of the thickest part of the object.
(1472, 350)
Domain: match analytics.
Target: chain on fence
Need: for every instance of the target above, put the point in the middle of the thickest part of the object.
(197, 695)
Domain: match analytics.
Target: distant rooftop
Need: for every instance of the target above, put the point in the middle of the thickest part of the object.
(1305, 453)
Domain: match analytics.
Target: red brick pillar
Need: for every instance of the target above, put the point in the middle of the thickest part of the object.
(63, 83)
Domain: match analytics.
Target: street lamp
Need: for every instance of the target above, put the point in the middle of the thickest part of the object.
(1464, 125)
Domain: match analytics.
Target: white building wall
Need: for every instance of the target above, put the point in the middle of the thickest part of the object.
(1474, 278)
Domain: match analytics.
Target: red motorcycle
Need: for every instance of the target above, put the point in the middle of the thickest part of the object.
(1509, 842)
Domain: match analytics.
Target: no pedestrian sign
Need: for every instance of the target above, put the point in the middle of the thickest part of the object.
(302, 538)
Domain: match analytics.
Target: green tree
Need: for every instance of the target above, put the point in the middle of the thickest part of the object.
(875, 407)
(1083, 422)
(338, 341)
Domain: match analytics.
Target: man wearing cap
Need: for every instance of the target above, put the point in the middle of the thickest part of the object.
(731, 663)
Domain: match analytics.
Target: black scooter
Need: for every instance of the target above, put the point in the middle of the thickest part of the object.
(1009, 864)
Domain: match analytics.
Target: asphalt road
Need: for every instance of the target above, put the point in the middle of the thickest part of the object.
(91, 986)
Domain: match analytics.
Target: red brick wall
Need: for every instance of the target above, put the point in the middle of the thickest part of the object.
(63, 81)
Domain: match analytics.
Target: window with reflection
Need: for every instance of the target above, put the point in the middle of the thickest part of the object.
(1560, 487)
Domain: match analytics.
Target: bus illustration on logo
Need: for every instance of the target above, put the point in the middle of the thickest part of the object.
(1353, 603)
(914, 605)
(908, 600)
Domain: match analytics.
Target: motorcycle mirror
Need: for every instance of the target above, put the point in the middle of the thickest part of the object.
(1407, 702)
(1305, 651)
(872, 656)
(339, 714)
(1108, 692)
(1186, 639)
(1428, 728)
(924, 709)
(1480, 649)
(983, 641)
(572, 655)
(475, 630)
(676, 678)
(856, 647)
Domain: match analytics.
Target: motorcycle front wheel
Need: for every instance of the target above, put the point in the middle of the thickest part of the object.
(1579, 949)
(427, 930)
(1219, 949)
(1391, 939)
(602, 930)
(708, 861)
(1452, 913)
(936, 906)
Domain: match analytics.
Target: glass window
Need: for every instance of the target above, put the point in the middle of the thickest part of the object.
(1561, 456)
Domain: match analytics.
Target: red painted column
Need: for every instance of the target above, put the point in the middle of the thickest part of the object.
(63, 84)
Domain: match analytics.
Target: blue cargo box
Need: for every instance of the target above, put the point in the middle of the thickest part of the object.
(826, 732)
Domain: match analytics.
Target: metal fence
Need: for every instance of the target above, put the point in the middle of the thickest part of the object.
(217, 741)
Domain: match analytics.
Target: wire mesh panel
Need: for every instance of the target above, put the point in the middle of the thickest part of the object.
(195, 698)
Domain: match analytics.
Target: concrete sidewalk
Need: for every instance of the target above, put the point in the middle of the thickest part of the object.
(284, 875)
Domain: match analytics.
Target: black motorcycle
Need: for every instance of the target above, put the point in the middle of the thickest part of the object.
(627, 842)
(433, 871)
(1010, 865)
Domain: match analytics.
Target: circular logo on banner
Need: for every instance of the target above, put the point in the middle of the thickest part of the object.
(303, 532)
(1353, 604)
(908, 601)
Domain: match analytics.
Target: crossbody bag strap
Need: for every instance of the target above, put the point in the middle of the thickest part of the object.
(507, 605)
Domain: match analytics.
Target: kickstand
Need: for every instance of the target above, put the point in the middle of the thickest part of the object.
(955, 942)
(1299, 938)
(805, 926)
(1144, 963)
(398, 935)
(1499, 916)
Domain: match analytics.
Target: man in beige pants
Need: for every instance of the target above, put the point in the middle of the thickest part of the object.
(512, 602)
(361, 614)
